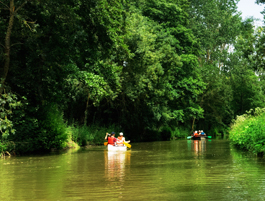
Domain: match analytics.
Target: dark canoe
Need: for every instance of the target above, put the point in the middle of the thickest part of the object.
(199, 137)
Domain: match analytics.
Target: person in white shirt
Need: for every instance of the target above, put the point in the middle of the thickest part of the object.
(121, 139)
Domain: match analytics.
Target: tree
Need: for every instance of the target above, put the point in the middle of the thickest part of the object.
(159, 84)
(13, 9)
(72, 42)
(217, 25)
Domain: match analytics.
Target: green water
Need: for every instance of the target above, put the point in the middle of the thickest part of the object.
(177, 170)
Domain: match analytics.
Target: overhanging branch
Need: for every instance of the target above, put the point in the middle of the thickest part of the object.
(20, 6)
(4, 5)
(16, 44)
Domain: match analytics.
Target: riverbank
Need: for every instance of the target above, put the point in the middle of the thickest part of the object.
(248, 131)
(9, 148)
(74, 137)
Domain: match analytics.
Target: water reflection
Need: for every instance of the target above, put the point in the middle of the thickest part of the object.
(175, 170)
(115, 162)
(197, 146)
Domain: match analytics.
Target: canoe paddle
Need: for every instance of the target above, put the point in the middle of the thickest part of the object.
(127, 145)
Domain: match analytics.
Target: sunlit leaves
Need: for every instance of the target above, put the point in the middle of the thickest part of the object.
(8, 102)
(157, 75)
(247, 131)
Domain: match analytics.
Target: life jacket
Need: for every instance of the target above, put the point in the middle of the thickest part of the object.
(111, 140)
(120, 141)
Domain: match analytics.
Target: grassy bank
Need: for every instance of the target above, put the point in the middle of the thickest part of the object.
(248, 131)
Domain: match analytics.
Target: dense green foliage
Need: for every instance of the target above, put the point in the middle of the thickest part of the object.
(154, 69)
(248, 131)
(228, 62)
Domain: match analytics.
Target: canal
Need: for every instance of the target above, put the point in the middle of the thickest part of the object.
(172, 170)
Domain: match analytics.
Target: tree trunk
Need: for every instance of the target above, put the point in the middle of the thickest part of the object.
(7, 46)
(86, 111)
(192, 127)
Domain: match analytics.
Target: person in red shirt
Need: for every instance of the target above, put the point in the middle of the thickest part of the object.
(111, 139)
(195, 133)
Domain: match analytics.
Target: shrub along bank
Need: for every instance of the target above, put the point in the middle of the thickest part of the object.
(248, 131)
(42, 129)
(67, 137)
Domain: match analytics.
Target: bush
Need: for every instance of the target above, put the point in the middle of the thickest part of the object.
(248, 131)
(39, 129)
(218, 130)
(8, 103)
(6, 146)
(53, 129)
(168, 133)
(3, 148)
(179, 132)
(92, 134)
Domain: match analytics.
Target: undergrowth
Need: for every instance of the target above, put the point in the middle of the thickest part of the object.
(248, 131)
(93, 134)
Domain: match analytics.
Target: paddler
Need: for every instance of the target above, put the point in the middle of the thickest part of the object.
(111, 139)
(196, 133)
(121, 139)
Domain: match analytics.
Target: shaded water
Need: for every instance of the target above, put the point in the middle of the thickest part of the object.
(175, 170)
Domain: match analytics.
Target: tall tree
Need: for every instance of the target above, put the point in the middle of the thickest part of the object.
(11, 7)
(159, 82)
(216, 24)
